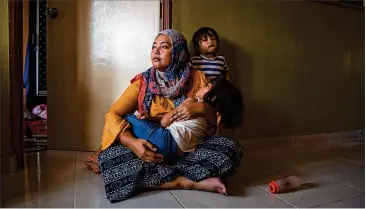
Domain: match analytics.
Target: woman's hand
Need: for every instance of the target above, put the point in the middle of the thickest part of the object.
(182, 113)
(142, 148)
(187, 110)
(146, 151)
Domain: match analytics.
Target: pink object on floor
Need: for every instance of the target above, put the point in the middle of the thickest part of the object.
(41, 111)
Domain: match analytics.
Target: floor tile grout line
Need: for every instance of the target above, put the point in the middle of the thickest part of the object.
(329, 178)
(276, 196)
(91, 198)
(337, 201)
(37, 205)
(176, 198)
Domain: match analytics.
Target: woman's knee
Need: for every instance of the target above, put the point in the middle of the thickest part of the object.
(113, 151)
(224, 145)
(224, 141)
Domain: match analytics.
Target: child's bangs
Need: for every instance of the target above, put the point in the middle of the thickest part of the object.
(206, 34)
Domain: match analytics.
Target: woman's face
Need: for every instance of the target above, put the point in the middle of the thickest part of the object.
(202, 91)
(161, 53)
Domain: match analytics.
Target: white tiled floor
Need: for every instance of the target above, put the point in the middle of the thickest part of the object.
(332, 171)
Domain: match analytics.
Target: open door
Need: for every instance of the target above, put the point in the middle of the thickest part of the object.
(94, 48)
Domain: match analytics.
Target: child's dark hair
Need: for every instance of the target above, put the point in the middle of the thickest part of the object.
(203, 32)
(226, 99)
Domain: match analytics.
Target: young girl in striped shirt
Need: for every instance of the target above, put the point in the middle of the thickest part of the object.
(205, 42)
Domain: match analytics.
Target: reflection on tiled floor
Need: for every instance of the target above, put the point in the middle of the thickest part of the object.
(332, 170)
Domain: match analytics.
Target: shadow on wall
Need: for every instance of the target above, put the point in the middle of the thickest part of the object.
(259, 119)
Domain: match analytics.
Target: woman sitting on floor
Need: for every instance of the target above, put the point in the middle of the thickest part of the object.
(130, 165)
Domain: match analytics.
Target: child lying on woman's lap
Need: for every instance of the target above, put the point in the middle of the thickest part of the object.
(175, 138)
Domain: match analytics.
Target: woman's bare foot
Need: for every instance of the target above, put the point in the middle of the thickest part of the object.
(93, 157)
(208, 185)
(211, 185)
(92, 166)
(179, 183)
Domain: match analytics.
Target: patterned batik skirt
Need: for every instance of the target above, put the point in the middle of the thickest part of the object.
(126, 175)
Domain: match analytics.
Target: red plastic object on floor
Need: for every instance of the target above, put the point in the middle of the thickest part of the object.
(285, 185)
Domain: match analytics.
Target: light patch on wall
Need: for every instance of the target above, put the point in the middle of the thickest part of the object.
(347, 61)
(121, 35)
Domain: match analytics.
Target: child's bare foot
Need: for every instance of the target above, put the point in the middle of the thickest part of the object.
(92, 166)
(93, 157)
(211, 185)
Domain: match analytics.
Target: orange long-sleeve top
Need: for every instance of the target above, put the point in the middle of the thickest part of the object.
(114, 122)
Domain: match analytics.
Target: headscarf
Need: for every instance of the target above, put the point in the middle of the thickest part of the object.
(173, 82)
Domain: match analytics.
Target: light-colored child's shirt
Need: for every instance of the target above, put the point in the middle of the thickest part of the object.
(188, 134)
(212, 67)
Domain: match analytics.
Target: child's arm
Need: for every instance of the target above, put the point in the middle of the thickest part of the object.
(142, 116)
(211, 118)
(202, 109)
(190, 63)
(226, 71)
(227, 75)
(165, 120)
(156, 120)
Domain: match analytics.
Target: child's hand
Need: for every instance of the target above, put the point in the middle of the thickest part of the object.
(141, 116)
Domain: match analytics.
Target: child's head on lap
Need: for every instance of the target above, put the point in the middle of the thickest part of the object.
(226, 99)
(205, 41)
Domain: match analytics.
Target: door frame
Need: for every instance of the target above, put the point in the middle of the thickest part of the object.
(166, 14)
(16, 80)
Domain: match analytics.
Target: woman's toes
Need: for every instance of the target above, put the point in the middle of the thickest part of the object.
(92, 166)
(92, 157)
(212, 185)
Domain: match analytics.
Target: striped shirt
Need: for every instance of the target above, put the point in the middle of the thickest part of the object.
(211, 67)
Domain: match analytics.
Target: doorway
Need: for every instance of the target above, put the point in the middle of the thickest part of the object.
(73, 121)
(35, 14)
(53, 66)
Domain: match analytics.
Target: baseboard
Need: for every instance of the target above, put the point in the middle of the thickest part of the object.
(8, 165)
(347, 138)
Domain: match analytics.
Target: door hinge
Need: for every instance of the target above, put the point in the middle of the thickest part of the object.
(161, 10)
